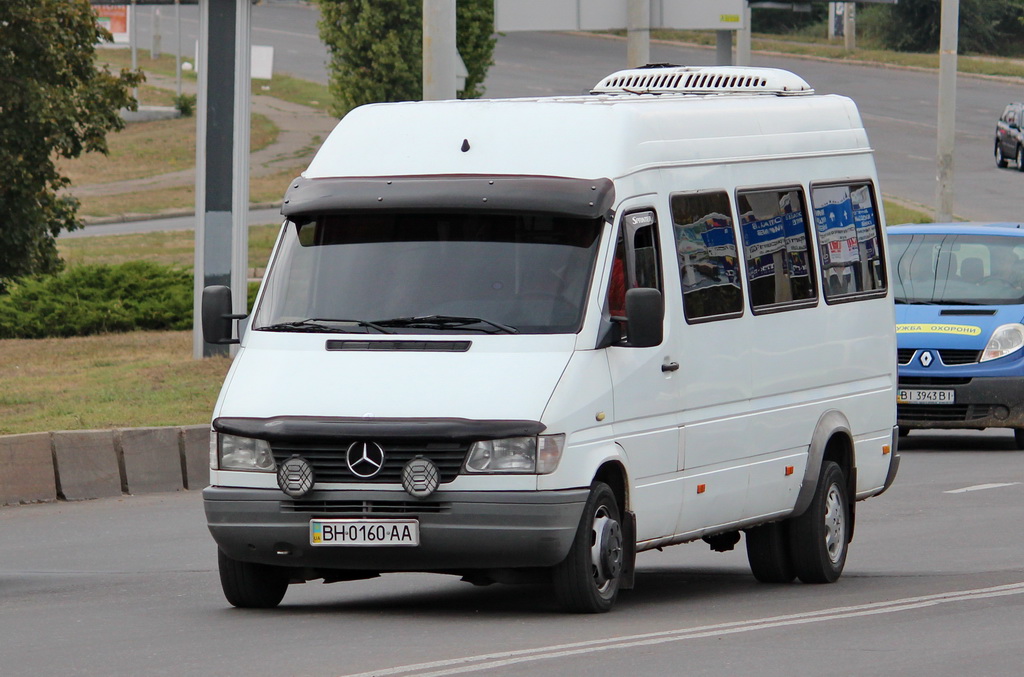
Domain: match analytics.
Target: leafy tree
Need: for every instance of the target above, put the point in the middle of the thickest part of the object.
(54, 103)
(986, 26)
(376, 48)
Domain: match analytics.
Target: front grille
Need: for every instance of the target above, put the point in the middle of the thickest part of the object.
(905, 355)
(938, 413)
(328, 460)
(914, 381)
(364, 508)
(952, 358)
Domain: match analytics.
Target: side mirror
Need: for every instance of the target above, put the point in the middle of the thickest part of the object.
(217, 316)
(645, 313)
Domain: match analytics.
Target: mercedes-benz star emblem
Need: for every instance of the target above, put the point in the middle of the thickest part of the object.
(364, 459)
(926, 359)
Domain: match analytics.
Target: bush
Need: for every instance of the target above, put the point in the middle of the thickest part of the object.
(96, 299)
(986, 26)
(186, 104)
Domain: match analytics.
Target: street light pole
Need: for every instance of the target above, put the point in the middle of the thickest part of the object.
(948, 40)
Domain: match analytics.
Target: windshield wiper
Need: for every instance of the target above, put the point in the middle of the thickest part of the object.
(322, 324)
(444, 322)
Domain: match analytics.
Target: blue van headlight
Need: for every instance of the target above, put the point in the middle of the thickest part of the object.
(244, 453)
(524, 455)
(1005, 340)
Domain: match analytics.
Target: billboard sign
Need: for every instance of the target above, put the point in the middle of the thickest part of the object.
(601, 15)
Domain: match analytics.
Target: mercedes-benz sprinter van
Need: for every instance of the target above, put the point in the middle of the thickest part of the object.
(524, 340)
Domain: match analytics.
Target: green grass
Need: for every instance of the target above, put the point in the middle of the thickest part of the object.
(144, 149)
(818, 46)
(110, 381)
(171, 248)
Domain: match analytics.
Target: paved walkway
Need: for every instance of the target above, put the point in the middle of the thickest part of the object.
(301, 130)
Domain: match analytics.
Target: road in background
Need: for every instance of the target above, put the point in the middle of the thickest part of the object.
(934, 587)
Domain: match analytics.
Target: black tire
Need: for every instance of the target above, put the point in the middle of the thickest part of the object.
(1020, 158)
(587, 580)
(1001, 160)
(768, 553)
(1018, 438)
(251, 586)
(818, 539)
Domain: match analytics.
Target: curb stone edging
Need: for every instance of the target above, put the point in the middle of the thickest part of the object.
(74, 465)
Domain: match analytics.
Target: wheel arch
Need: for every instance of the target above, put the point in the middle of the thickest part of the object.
(832, 440)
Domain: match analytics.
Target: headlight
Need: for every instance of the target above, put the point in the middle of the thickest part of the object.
(523, 455)
(1005, 340)
(244, 453)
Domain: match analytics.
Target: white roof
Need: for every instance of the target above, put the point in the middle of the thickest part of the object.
(604, 135)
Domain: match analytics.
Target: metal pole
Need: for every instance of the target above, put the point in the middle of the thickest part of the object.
(222, 141)
(743, 38)
(177, 52)
(132, 43)
(638, 33)
(439, 50)
(723, 48)
(240, 184)
(850, 27)
(948, 40)
(154, 33)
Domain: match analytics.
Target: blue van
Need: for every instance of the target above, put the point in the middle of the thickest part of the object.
(959, 312)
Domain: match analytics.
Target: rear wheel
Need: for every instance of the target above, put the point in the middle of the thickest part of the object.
(587, 580)
(1020, 158)
(818, 538)
(1018, 438)
(768, 553)
(251, 586)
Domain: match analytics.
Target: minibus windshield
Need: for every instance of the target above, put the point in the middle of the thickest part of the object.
(958, 269)
(412, 273)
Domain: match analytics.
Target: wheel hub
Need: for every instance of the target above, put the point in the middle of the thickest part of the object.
(606, 551)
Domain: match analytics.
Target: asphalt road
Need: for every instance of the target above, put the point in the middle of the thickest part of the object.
(898, 106)
(934, 587)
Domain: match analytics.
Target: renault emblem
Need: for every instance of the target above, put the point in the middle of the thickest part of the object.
(926, 359)
(364, 459)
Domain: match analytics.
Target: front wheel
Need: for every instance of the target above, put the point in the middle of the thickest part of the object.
(1001, 161)
(1020, 158)
(587, 580)
(248, 585)
(818, 538)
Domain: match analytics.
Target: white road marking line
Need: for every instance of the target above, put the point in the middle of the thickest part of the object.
(981, 487)
(455, 666)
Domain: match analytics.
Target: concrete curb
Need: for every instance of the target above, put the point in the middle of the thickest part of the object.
(82, 464)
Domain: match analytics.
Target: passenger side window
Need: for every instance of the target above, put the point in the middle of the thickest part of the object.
(846, 220)
(707, 256)
(775, 234)
(635, 265)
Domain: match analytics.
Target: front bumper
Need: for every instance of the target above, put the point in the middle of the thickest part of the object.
(459, 531)
(980, 402)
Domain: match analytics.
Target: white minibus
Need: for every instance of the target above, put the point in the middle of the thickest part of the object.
(524, 340)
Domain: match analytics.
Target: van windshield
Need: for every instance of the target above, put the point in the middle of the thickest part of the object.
(380, 272)
(958, 269)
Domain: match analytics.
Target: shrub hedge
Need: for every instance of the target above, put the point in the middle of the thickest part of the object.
(96, 299)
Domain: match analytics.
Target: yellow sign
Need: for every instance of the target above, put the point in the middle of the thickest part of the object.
(958, 329)
(729, 18)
